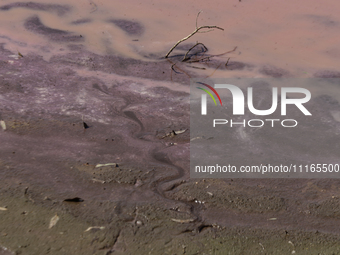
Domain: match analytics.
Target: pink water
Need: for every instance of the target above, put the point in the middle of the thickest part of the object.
(300, 36)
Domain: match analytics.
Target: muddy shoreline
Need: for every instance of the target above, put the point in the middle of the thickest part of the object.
(145, 201)
(95, 136)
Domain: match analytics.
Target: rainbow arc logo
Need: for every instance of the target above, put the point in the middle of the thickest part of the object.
(209, 93)
(204, 97)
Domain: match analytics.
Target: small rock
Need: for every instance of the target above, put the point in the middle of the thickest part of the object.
(3, 124)
(53, 221)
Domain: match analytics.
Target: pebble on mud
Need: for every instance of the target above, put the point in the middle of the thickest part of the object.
(183, 221)
(90, 228)
(3, 125)
(53, 221)
(108, 164)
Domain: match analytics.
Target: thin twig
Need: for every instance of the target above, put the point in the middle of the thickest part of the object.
(200, 60)
(95, 6)
(196, 67)
(183, 72)
(172, 67)
(214, 71)
(208, 57)
(198, 14)
(202, 32)
(186, 54)
(226, 64)
(193, 33)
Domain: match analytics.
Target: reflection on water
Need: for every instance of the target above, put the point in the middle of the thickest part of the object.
(299, 36)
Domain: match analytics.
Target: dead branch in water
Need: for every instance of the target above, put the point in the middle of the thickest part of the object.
(186, 54)
(173, 69)
(208, 57)
(197, 30)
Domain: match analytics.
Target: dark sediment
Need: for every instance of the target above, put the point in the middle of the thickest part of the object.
(143, 201)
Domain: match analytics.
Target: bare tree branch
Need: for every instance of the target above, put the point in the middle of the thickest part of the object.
(193, 33)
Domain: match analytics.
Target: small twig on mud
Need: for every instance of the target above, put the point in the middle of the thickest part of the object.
(197, 30)
(186, 54)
